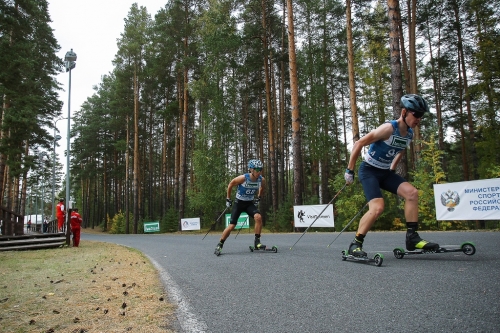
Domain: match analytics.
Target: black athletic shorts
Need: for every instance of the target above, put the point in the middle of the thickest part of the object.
(240, 207)
(373, 179)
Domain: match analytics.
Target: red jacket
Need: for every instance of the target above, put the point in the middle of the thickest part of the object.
(76, 220)
(60, 209)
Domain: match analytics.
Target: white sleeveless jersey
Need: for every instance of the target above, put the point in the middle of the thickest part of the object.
(382, 153)
(248, 189)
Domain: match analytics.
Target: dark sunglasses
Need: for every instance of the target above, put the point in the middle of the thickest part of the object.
(416, 114)
(258, 169)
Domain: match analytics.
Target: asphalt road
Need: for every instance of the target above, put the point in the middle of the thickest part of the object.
(310, 289)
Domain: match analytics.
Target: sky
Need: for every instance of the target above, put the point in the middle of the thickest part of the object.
(91, 28)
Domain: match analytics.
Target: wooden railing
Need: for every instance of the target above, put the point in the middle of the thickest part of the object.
(44, 228)
(39, 236)
(12, 223)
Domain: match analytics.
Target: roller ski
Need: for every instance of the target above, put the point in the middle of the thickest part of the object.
(468, 248)
(261, 247)
(218, 249)
(378, 258)
(356, 253)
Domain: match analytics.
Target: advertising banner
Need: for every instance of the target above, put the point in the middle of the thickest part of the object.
(472, 200)
(243, 221)
(305, 215)
(190, 224)
(152, 226)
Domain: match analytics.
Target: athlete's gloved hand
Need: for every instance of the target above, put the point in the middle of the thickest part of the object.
(349, 176)
(256, 200)
(229, 202)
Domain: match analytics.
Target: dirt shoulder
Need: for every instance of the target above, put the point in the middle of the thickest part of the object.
(97, 287)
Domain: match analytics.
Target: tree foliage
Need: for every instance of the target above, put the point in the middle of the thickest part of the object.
(203, 87)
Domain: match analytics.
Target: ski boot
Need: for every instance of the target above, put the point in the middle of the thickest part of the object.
(356, 249)
(413, 241)
(356, 253)
(258, 245)
(218, 249)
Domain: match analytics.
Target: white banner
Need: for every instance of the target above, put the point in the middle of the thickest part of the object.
(472, 200)
(190, 224)
(305, 215)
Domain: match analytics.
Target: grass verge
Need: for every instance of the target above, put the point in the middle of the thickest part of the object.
(97, 287)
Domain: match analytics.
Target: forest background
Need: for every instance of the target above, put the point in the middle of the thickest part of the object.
(204, 86)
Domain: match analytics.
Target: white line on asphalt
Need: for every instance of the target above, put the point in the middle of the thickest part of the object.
(187, 319)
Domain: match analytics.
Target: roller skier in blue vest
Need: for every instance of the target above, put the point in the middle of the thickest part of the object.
(249, 189)
(377, 171)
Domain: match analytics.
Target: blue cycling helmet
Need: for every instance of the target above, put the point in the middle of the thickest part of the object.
(415, 103)
(252, 164)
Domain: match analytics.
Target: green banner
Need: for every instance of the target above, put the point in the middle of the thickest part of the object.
(152, 226)
(243, 221)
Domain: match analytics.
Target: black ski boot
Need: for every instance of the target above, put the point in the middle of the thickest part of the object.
(356, 248)
(413, 241)
(258, 245)
(218, 248)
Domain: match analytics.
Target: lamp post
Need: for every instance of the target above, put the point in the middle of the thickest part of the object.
(70, 59)
(40, 158)
(56, 138)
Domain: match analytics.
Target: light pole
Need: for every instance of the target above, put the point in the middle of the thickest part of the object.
(70, 59)
(56, 138)
(40, 158)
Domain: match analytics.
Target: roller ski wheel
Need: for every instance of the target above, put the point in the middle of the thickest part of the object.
(467, 248)
(264, 248)
(218, 251)
(377, 259)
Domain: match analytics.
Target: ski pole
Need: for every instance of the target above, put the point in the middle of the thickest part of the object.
(215, 223)
(348, 224)
(246, 220)
(328, 204)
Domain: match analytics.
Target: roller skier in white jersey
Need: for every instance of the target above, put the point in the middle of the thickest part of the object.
(250, 188)
(377, 171)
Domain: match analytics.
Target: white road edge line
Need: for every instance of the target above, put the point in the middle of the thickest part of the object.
(187, 319)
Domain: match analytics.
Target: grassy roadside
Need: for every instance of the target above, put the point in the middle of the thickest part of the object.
(97, 287)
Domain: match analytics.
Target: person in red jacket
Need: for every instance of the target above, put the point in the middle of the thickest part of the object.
(76, 223)
(60, 214)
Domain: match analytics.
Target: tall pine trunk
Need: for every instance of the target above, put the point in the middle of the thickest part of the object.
(270, 112)
(416, 147)
(184, 137)
(135, 185)
(281, 137)
(461, 117)
(296, 131)
(127, 177)
(350, 69)
(465, 86)
(396, 79)
(436, 83)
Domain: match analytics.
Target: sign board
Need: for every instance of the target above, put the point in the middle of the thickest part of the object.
(243, 221)
(472, 200)
(303, 216)
(190, 224)
(152, 226)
